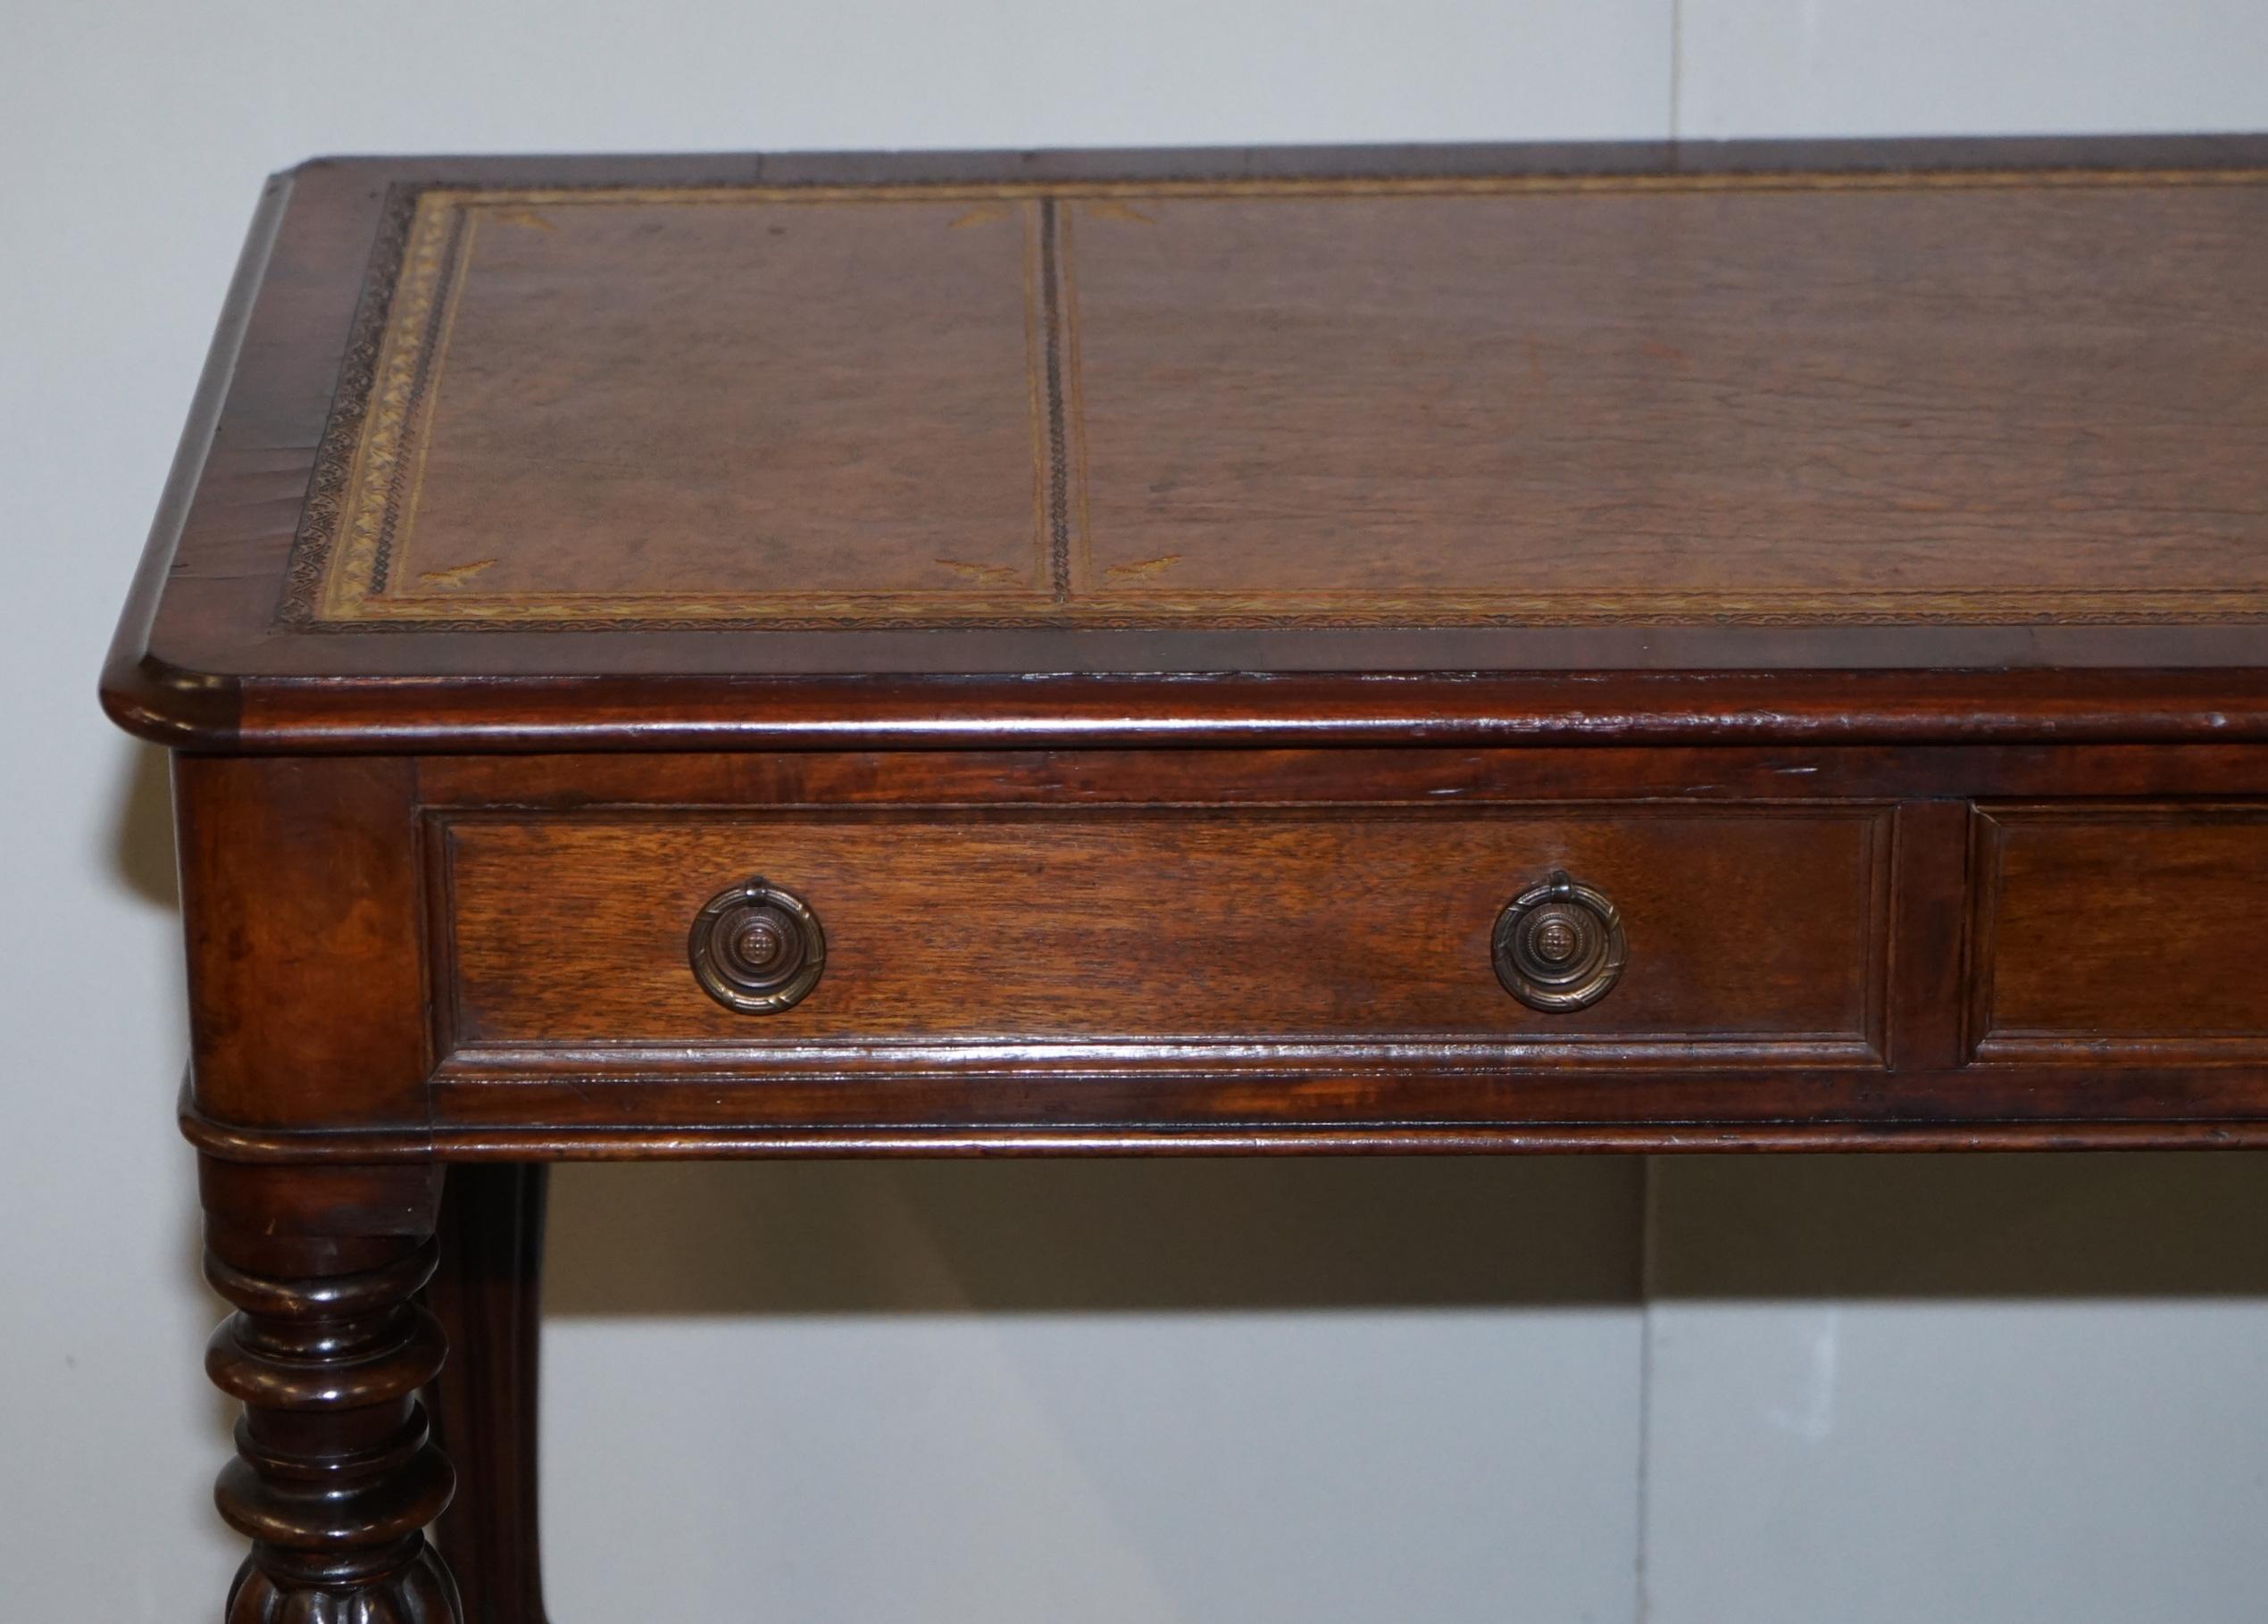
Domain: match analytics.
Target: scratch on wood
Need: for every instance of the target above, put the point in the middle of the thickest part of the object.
(977, 216)
(458, 575)
(522, 217)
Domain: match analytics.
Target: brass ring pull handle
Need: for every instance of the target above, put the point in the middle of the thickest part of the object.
(1559, 946)
(756, 948)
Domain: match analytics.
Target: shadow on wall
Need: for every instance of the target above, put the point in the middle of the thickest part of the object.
(946, 1236)
(142, 829)
(930, 1237)
(1036, 1236)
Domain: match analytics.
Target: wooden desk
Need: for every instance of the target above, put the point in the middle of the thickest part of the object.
(1319, 651)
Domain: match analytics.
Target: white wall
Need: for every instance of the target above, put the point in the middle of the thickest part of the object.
(1976, 1390)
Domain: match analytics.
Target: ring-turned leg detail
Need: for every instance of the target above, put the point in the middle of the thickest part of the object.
(336, 1477)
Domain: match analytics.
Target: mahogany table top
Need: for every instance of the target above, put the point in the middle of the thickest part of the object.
(1884, 439)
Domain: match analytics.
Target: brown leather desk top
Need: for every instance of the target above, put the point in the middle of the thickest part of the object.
(1873, 441)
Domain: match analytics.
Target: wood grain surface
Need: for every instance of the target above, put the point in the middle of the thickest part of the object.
(1747, 925)
(1225, 950)
(2134, 931)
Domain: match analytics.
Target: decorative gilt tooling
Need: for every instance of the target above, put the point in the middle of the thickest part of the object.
(1110, 208)
(978, 572)
(1141, 568)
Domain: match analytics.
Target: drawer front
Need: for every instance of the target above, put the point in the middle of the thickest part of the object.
(1746, 926)
(2135, 933)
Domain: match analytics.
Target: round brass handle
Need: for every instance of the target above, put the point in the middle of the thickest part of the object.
(756, 948)
(1559, 946)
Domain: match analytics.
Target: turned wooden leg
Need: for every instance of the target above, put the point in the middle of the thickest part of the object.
(335, 1478)
(488, 1295)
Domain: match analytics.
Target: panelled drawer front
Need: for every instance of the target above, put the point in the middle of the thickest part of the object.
(2121, 932)
(1746, 924)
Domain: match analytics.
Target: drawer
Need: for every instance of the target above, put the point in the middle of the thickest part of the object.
(1744, 926)
(2129, 932)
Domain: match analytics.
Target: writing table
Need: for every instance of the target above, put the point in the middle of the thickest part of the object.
(1518, 649)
